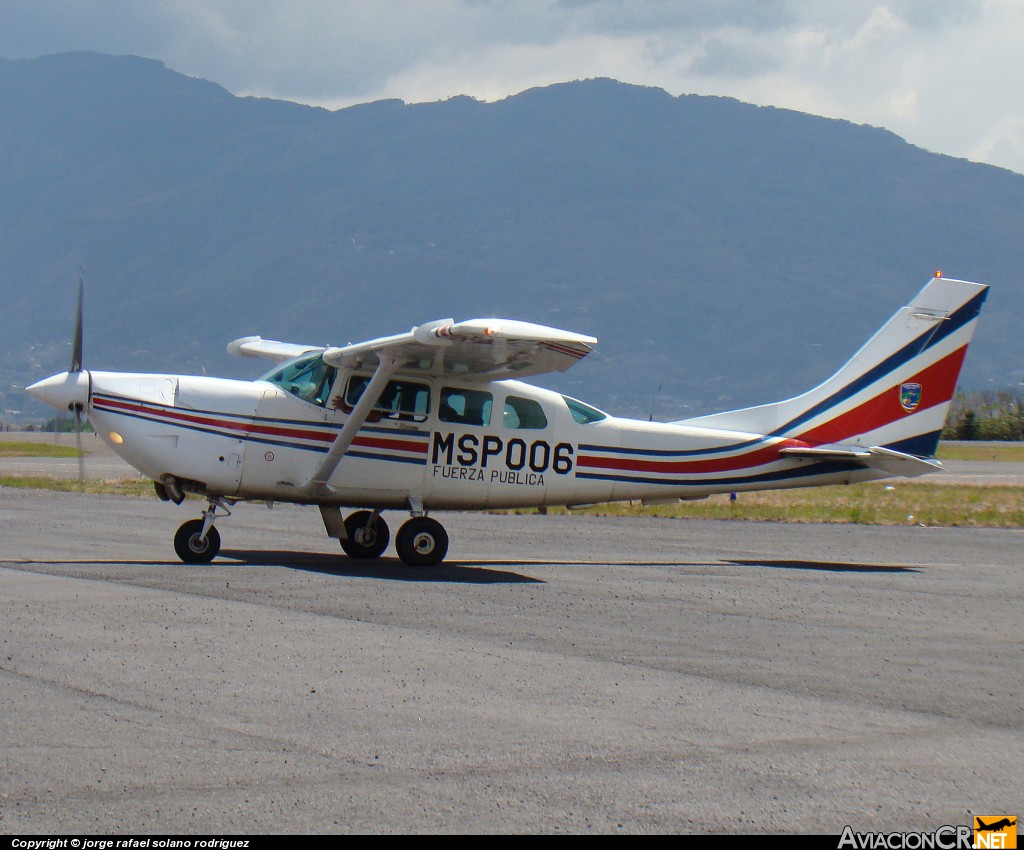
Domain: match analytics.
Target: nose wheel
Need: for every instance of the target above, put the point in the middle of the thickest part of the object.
(197, 541)
(192, 546)
(422, 542)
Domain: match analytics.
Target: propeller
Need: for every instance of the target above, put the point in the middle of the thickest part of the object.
(71, 390)
(76, 366)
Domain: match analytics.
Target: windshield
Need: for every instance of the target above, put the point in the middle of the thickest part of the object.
(306, 377)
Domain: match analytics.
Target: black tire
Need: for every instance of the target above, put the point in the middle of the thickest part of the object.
(190, 548)
(422, 542)
(365, 542)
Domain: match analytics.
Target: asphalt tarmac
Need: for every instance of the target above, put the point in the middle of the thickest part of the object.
(557, 674)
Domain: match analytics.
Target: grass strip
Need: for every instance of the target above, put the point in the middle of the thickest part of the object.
(134, 487)
(1008, 452)
(16, 449)
(996, 506)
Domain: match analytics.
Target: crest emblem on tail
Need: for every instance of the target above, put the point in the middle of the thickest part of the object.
(910, 396)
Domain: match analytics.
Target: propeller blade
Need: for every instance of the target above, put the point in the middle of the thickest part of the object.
(76, 346)
(76, 366)
(58, 425)
(78, 446)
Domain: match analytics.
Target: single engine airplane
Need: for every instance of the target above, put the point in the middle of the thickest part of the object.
(438, 418)
(995, 826)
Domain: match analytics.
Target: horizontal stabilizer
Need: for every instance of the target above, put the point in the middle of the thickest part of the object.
(877, 457)
(827, 453)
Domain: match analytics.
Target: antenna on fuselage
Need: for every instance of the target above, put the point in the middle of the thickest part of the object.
(654, 400)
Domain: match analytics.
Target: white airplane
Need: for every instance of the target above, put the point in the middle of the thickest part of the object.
(436, 419)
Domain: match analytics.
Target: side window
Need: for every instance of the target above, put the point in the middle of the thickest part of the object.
(465, 407)
(523, 413)
(403, 400)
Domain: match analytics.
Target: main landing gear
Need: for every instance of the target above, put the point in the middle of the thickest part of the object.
(368, 535)
(420, 542)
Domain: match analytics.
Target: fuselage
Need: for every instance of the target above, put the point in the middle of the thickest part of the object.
(500, 444)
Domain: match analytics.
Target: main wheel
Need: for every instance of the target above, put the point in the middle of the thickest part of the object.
(365, 540)
(190, 548)
(422, 542)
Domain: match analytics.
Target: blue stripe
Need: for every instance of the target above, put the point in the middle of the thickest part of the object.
(402, 432)
(395, 458)
(825, 468)
(923, 445)
(671, 452)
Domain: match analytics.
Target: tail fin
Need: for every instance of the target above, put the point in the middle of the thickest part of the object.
(893, 393)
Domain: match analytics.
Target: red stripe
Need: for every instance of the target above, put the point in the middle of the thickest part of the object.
(246, 427)
(384, 443)
(267, 430)
(565, 349)
(727, 464)
(938, 382)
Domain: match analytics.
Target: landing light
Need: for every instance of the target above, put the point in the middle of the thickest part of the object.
(115, 438)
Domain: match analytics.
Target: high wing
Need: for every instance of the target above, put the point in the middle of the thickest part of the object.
(474, 350)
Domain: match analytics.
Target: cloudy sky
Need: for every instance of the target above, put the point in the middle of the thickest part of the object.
(947, 75)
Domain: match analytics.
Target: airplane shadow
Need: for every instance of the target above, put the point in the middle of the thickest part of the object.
(455, 572)
(466, 572)
(383, 568)
(827, 566)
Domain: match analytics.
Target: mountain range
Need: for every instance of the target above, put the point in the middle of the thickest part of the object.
(725, 254)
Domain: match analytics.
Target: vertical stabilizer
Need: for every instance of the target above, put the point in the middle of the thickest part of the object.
(894, 392)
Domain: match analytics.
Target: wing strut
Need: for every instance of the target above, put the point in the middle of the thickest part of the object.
(387, 364)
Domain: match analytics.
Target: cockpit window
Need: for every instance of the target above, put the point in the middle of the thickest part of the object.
(307, 377)
(583, 413)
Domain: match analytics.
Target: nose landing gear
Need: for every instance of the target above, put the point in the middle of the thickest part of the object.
(197, 541)
(192, 546)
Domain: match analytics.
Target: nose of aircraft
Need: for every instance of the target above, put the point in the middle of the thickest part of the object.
(63, 391)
